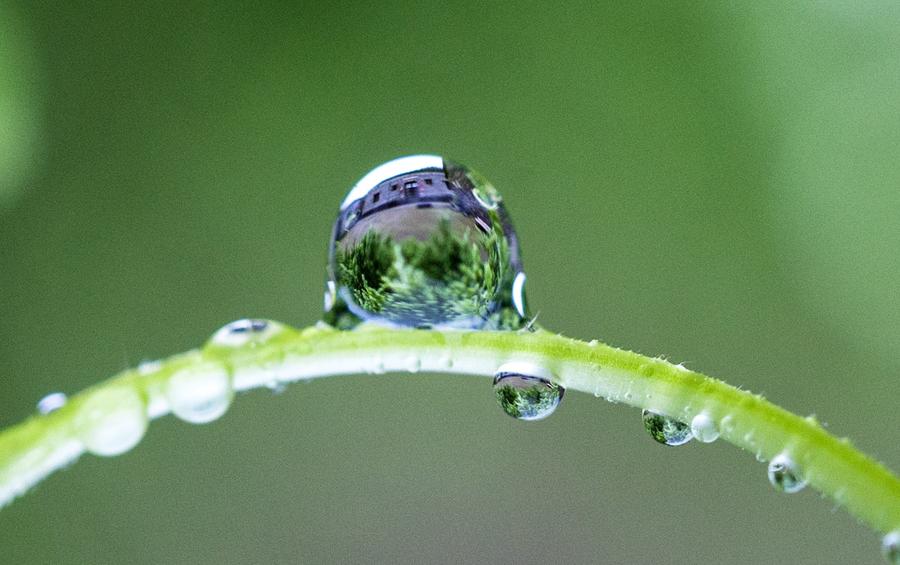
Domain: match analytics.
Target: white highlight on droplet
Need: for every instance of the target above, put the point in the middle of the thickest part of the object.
(52, 402)
(518, 293)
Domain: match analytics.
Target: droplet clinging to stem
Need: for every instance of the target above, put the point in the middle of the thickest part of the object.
(424, 242)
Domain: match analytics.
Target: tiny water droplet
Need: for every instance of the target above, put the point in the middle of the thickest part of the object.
(445, 361)
(413, 364)
(593, 343)
(424, 242)
(665, 430)
(785, 475)
(51, 403)
(112, 420)
(727, 423)
(525, 392)
(147, 367)
(704, 428)
(890, 547)
(200, 394)
(249, 331)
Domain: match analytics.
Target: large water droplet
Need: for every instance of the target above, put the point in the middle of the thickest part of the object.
(111, 421)
(890, 547)
(703, 428)
(665, 430)
(525, 392)
(200, 394)
(784, 474)
(248, 331)
(424, 242)
(51, 403)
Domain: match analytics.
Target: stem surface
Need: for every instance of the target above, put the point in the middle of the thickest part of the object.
(35, 448)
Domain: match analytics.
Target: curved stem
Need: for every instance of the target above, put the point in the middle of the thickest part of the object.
(34, 449)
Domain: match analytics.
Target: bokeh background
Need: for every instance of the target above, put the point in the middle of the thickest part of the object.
(715, 182)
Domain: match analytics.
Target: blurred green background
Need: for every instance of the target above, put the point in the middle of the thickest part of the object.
(718, 183)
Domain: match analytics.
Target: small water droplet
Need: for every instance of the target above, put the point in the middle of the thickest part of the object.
(525, 392)
(145, 368)
(200, 394)
(413, 363)
(51, 403)
(593, 343)
(727, 424)
(112, 420)
(424, 242)
(785, 475)
(445, 361)
(890, 547)
(249, 331)
(665, 430)
(703, 428)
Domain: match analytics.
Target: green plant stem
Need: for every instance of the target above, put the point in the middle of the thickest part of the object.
(35, 448)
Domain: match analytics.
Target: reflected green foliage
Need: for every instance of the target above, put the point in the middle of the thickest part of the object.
(665, 430)
(450, 278)
(527, 398)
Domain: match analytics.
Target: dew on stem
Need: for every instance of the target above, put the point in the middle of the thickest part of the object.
(890, 547)
(200, 394)
(785, 475)
(424, 242)
(703, 428)
(526, 392)
(112, 420)
(246, 332)
(51, 403)
(666, 430)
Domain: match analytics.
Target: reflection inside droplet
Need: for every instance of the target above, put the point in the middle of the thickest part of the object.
(666, 430)
(424, 242)
(524, 393)
(785, 475)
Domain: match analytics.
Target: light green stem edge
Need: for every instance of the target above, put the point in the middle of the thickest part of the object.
(43, 443)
